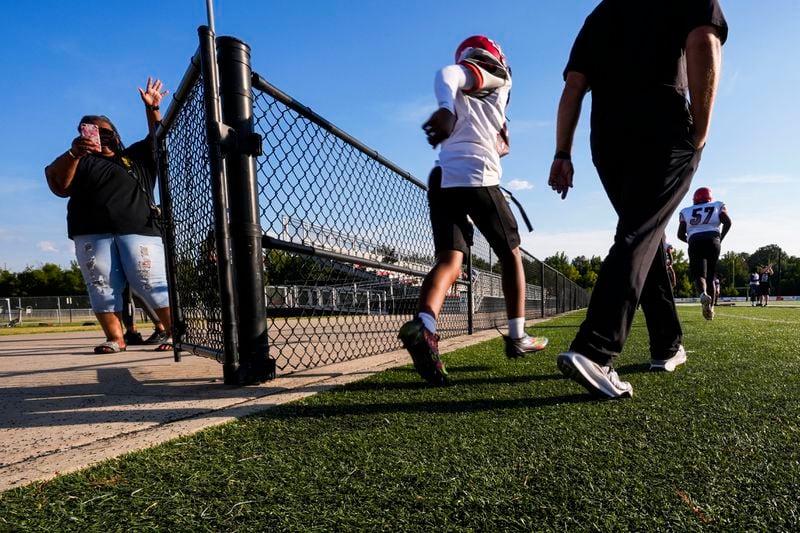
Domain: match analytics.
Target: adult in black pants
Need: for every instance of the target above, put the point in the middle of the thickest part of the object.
(133, 337)
(640, 60)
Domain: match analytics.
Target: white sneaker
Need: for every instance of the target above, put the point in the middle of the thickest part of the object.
(708, 306)
(669, 365)
(598, 380)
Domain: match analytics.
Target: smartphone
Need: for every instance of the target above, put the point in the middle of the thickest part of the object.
(91, 132)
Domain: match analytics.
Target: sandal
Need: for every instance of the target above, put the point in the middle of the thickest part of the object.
(109, 347)
(165, 346)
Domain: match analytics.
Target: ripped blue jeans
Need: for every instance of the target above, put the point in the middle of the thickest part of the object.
(108, 261)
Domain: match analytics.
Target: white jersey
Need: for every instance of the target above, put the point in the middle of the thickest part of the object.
(470, 156)
(702, 218)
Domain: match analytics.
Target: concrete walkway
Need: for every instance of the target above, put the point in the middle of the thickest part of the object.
(63, 408)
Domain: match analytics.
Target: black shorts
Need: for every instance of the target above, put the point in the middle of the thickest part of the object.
(763, 289)
(703, 256)
(486, 206)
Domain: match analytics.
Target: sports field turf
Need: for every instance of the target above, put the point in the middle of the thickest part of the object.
(511, 446)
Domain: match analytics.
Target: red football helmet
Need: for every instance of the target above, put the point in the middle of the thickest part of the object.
(702, 195)
(480, 42)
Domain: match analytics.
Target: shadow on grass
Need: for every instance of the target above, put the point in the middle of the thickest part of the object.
(638, 368)
(464, 368)
(455, 379)
(289, 411)
(543, 327)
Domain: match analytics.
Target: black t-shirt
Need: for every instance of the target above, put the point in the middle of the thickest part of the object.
(113, 195)
(633, 54)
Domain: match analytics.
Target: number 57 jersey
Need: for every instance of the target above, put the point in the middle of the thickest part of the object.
(702, 218)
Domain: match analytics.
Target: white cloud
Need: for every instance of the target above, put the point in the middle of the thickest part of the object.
(761, 179)
(519, 185)
(7, 234)
(526, 125)
(10, 185)
(415, 111)
(572, 243)
(47, 246)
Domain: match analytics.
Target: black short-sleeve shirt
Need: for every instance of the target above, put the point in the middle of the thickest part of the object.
(113, 195)
(633, 54)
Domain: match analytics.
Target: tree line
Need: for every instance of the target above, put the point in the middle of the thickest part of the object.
(47, 280)
(733, 268)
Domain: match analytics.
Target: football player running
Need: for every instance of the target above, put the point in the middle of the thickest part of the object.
(469, 126)
(704, 225)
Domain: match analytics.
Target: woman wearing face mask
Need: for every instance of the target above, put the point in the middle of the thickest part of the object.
(113, 219)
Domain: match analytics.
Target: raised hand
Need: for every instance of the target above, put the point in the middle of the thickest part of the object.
(152, 94)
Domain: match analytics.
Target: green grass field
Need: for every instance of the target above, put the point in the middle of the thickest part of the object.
(511, 446)
(34, 327)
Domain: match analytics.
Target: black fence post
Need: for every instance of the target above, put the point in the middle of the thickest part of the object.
(222, 240)
(235, 76)
(544, 311)
(470, 292)
(558, 292)
(176, 313)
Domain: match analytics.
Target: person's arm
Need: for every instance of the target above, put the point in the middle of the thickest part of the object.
(726, 222)
(569, 111)
(446, 85)
(682, 230)
(703, 66)
(151, 96)
(61, 172)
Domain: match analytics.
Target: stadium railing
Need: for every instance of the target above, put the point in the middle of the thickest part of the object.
(291, 244)
(48, 309)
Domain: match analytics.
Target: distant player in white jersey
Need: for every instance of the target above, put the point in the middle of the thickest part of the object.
(755, 279)
(463, 188)
(704, 226)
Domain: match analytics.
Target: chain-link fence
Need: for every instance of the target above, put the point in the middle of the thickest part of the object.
(348, 242)
(193, 249)
(345, 233)
(21, 310)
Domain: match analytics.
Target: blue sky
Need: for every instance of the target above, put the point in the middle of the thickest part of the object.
(368, 67)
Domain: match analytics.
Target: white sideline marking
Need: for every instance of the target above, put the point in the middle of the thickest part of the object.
(759, 319)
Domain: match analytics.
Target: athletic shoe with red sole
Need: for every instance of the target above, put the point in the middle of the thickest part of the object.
(423, 346)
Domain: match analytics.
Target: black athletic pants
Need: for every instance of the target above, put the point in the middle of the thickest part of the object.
(645, 186)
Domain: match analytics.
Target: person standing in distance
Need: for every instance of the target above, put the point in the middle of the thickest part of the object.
(669, 258)
(755, 279)
(699, 225)
(470, 126)
(640, 60)
(763, 284)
